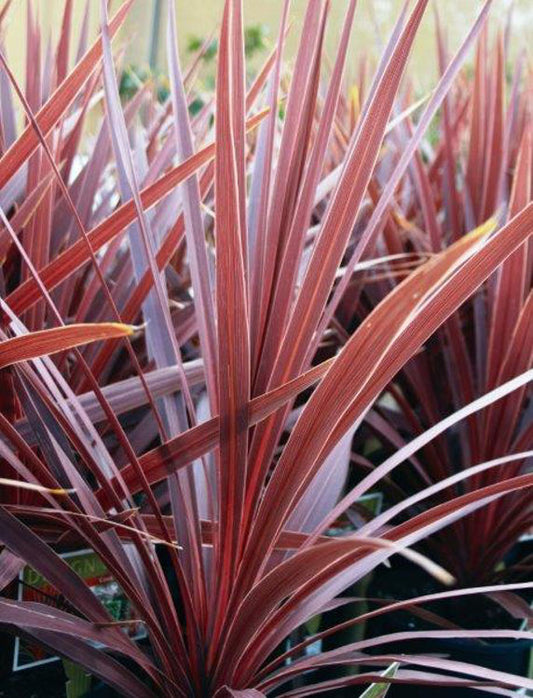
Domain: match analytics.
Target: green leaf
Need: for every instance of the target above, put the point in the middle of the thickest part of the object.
(378, 690)
(79, 682)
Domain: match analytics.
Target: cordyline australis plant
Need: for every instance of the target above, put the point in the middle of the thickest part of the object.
(206, 422)
(487, 143)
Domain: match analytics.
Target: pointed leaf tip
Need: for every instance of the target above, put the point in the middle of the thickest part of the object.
(44, 342)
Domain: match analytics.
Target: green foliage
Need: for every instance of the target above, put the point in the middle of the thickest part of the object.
(380, 690)
(255, 36)
(79, 682)
(135, 76)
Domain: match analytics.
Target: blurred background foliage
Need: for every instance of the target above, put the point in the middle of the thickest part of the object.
(198, 21)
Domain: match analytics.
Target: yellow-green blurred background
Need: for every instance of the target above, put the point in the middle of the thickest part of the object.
(201, 17)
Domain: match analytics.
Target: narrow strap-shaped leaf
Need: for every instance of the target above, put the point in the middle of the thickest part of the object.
(232, 317)
(478, 131)
(388, 608)
(290, 262)
(455, 282)
(97, 662)
(451, 199)
(179, 452)
(259, 197)
(28, 546)
(371, 230)
(10, 566)
(44, 342)
(24, 214)
(316, 592)
(288, 578)
(383, 518)
(162, 341)
(58, 103)
(352, 654)
(503, 418)
(380, 690)
(495, 135)
(29, 614)
(71, 259)
(129, 394)
(511, 282)
(194, 231)
(274, 220)
(336, 229)
(226, 692)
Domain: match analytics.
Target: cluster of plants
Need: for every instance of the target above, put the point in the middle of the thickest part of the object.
(224, 326)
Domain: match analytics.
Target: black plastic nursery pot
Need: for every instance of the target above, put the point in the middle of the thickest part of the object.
(512, 657)
(404, 579)
(47, 681)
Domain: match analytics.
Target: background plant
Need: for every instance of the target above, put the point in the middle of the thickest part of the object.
(485, 342)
